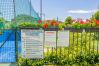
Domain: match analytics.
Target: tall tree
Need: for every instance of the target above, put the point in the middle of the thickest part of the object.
(24, 18)
(68, 20)
(96, 15)
(2, 23)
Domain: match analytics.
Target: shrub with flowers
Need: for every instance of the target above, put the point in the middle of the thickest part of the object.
(97, 22)
(96, 18)
(45, 25)
(39, 21)
(76, 24)
(54, 23)
(69, 22)
(81, 24)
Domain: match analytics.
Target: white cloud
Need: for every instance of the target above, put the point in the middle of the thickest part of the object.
(81, 11)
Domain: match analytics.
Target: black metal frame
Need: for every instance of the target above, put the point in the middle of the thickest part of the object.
(72, 30)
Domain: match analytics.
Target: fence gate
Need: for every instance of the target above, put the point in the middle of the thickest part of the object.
(7, 46)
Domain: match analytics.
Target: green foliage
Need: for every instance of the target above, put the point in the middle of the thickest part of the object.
(92, 21)
(61, 26)
(96, 15)
(77, 54)
(31, 25)
(27, 24)
(79, 26)
(2, 20)
(2, 23)
(87, 25)
(80, 60)
(22, 62)
(68, 20)
(24, 18)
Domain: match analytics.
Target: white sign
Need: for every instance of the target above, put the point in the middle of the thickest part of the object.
(63, 39)
(50, 39)
(32, 43)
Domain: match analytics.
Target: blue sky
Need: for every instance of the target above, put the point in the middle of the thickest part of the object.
(63, 8)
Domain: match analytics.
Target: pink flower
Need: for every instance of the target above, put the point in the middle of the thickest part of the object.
(39, 21)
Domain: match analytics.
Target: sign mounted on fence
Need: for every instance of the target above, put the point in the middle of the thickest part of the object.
(32, 43)
(63, 39)
(50, 39)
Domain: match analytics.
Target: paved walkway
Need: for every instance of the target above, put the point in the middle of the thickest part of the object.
(7, 64)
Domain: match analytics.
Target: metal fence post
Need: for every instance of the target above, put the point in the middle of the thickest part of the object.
(97, 41)
(56, 43)
(16, 44)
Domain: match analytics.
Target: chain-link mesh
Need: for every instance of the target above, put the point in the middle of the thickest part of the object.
(11, 8)
(7, 9)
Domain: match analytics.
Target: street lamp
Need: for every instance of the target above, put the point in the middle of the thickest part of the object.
(43, 15)
(1, 15)
(41, 9)
(57, 19)
(30, 7)
(98, 7)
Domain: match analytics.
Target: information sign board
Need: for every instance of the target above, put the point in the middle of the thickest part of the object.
(63, 39)
(32, 43)
(50, 39)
